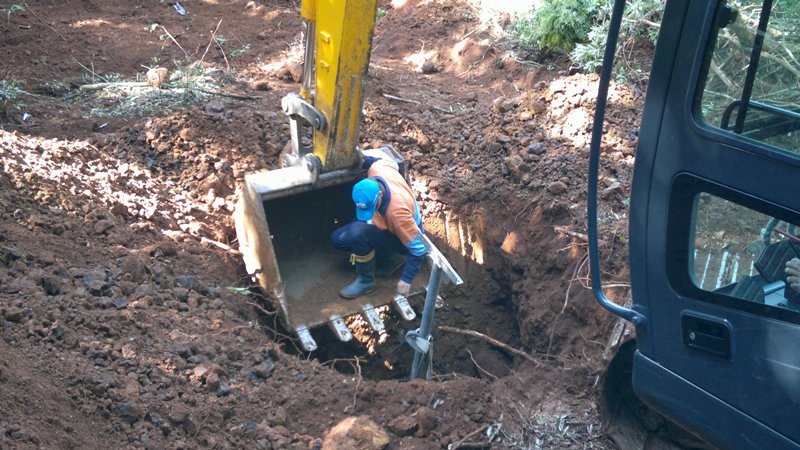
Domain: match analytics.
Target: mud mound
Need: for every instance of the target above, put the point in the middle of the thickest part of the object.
(124, 306)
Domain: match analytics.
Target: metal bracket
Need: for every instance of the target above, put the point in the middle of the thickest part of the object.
(420, 344)
(439, 260)
(295, 107)
(403, 307)
(420, 340)
(309, 162)
(372, 317)
(306, 341)
(301, 112)
(340, 328)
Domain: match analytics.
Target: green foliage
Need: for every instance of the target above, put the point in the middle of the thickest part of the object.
(9, 91)
(580, 28)
(776, 76)
(641, 21)
(589, 56)
(557, 24)
(239, 290)
(381, 13)
(240, 51)
(235, 53)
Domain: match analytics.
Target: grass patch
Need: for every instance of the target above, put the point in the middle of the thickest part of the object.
(188, 84)
(9, 91)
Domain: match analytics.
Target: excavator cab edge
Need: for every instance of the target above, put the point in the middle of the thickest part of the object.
(713, 216)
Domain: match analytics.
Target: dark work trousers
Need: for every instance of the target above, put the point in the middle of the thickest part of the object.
(361, 238)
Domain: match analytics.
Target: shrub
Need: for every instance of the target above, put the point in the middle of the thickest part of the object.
(641, 21)
(557, 24)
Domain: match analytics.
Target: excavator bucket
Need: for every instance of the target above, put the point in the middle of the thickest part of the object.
(283, 223)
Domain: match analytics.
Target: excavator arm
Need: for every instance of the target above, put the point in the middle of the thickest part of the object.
(337, 48)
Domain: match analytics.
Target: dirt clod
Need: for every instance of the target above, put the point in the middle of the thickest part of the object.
(428, 68)
(402, 426)
(260, 85)
(356, 432)
(157, 76)
(426, 421)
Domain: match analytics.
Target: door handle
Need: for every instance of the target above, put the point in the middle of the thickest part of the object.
(707, 334)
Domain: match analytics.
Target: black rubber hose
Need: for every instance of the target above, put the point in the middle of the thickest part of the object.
(594, 167)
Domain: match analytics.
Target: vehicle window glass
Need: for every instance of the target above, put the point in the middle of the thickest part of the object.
(751, 86)
(743, 253)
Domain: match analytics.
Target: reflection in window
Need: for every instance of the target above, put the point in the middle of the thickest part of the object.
(752, 82)
(743, 253)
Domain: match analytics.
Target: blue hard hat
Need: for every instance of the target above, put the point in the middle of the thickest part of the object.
(365, 196)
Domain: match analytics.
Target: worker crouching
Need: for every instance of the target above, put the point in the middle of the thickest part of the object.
(388, 225)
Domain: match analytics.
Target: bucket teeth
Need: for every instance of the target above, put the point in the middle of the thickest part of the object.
(402, 307)
(340, 328)
(306, 341)
(372, 317)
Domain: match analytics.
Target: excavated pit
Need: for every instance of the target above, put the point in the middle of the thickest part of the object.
(312, 272)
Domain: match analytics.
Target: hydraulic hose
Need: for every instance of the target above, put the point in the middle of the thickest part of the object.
(594, 166)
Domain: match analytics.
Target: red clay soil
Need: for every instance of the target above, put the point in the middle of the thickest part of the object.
(121, 321)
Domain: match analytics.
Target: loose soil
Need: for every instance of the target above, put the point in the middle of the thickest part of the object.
(126, 316)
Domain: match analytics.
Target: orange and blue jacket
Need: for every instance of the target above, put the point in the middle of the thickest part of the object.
(398, 213)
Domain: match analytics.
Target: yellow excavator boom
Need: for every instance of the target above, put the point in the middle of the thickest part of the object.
(343, 41)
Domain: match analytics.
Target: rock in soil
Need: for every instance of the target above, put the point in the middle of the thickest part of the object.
(356, 433)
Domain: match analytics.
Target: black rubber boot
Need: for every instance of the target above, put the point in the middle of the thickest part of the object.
(388, 264)
(365, 281)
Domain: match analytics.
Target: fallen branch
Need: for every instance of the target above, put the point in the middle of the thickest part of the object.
(144, 84)
(91, 71)
(401, 99)
(225, 247)
(475, 30)
(119, 84)
(216, 41)
(176, 42)
(724, 78)
(223, 94)
(474, 446)
(463, 440)
(213, 33)
(491, 341)
(23, 92)
(45, 23)
(568, 232)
